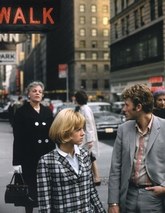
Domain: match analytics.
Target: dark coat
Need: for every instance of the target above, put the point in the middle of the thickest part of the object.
(31, 141)
(159, 112)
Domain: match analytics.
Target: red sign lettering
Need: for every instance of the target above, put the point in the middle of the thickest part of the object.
(5, 14)
(46, 15)
(27, 15)
(32, 21)
(19, 17)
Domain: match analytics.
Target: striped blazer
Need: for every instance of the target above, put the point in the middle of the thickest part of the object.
(61, 190)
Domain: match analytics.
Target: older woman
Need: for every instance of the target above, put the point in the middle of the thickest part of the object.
(30, 128)
(159, 103)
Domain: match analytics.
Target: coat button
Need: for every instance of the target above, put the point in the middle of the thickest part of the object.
(39, 141)
(43, 123)
(36, 123)
(46, 140)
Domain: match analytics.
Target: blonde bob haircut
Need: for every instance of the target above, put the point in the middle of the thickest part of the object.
(65, 123)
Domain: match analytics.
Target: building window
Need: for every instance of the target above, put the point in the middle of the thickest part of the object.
(127, 24)
(82, 19)
(142, 51)
(142, 14)
(123, 26)
(83, 84)
(115, 7)
(93, 20)
(152, 9)
(105, 8)
(106, 56)
(106, 68)
(82, 8)
(116, 30)
(160, 8)
(105, 20)
(82, 56)
(82, 44)
(94, 68)
(94, 44)
(105, 32)
(106, 84)
(94, 56)
(94, 84)
(122, 4)
(143, 48)
(152, 46)
(94, 32)
(83, 68)
(127, 3)
(82, 32)
(136, 19)
(105, 44)
(93, 8)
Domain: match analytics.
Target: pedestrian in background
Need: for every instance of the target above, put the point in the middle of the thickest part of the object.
(90, 141)
(30, 128)
(14, 105)
(137, 174)
(64, 176)
(159, 103)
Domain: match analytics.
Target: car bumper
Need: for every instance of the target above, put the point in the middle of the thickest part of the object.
(107, 130)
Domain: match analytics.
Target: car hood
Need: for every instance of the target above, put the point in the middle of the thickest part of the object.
(109, 118)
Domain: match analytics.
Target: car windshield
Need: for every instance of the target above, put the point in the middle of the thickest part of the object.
(105, 117)
(100, 108)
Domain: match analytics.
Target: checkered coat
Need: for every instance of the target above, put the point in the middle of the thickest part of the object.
(61, 190)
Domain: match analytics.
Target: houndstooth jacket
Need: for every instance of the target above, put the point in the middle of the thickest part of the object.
(61, 190)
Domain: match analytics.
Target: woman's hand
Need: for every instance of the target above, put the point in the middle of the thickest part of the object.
(17, 169)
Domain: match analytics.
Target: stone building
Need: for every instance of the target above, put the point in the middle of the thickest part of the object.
(137, 43)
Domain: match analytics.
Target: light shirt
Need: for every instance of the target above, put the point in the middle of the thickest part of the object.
(139, 175)
(73, 160)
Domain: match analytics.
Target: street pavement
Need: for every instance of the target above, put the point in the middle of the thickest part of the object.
(6, 143)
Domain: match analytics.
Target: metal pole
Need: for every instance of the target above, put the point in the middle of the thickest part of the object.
(67, 85)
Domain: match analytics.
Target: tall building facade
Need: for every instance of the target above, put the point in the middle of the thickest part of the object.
(91, 47)
(137, 43)
(81, 41)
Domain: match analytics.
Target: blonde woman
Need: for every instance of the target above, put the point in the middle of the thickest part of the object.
(65, 182)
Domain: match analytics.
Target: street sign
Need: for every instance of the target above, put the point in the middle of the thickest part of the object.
(7, 57)
(29, 15)
(62, 70)
(9, 38)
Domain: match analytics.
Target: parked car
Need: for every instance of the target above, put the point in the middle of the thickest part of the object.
(117, 106)
(106, 120)
(56, 104)
(4, 110)
(64, 106)
(100, 106)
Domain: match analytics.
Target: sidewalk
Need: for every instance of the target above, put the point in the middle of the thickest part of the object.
(6, 142)
(104, 161)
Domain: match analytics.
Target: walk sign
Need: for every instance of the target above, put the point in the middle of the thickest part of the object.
(29, 15)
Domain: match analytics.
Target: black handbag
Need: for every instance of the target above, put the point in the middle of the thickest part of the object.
(16, 191)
